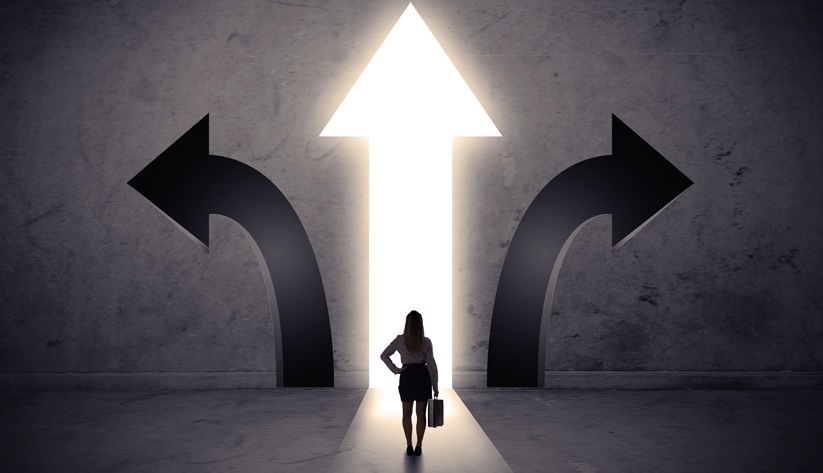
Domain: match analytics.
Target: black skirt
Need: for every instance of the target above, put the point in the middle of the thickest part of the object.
(415, 383)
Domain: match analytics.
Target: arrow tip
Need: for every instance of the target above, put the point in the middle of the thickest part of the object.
(161, 180)
(657, 182)
(410, 87)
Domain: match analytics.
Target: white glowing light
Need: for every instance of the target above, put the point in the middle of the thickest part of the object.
(410, 101)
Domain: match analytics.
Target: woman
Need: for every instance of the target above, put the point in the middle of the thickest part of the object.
(417, 376)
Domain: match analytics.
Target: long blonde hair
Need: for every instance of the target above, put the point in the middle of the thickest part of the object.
(413, 333)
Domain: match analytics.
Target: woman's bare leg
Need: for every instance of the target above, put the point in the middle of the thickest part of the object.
(407, 425)
(421, 420)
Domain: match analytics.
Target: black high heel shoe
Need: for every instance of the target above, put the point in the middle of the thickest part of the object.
(417, 450)
(409, 450)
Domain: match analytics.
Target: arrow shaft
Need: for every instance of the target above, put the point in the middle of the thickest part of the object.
(522, 306)
(296, 295)
(410, 245)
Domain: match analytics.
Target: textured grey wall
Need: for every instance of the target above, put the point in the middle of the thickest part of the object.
(727, 278)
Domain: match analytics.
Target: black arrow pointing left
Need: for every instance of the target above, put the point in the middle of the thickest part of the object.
(187, 184)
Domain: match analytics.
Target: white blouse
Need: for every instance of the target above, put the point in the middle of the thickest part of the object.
(426, 356)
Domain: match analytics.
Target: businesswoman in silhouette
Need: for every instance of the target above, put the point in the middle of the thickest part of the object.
(417, 376)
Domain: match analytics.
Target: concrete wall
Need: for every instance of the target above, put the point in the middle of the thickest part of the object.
(727, 278)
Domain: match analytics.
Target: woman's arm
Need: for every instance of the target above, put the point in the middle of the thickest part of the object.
(389, 351)
(432, 367)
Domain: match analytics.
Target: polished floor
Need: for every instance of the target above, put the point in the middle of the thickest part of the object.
(305, 430)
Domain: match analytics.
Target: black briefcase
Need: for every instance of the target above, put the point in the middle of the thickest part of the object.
(435, 412)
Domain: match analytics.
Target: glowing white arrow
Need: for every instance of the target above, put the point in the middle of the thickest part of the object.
(410, 101)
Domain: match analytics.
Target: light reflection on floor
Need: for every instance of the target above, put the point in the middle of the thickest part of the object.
(375, 440)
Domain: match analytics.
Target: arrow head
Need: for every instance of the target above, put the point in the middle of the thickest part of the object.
(410, 87)
(170, 177)
(654, 182)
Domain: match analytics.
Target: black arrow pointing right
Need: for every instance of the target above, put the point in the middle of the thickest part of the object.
(633, 184)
